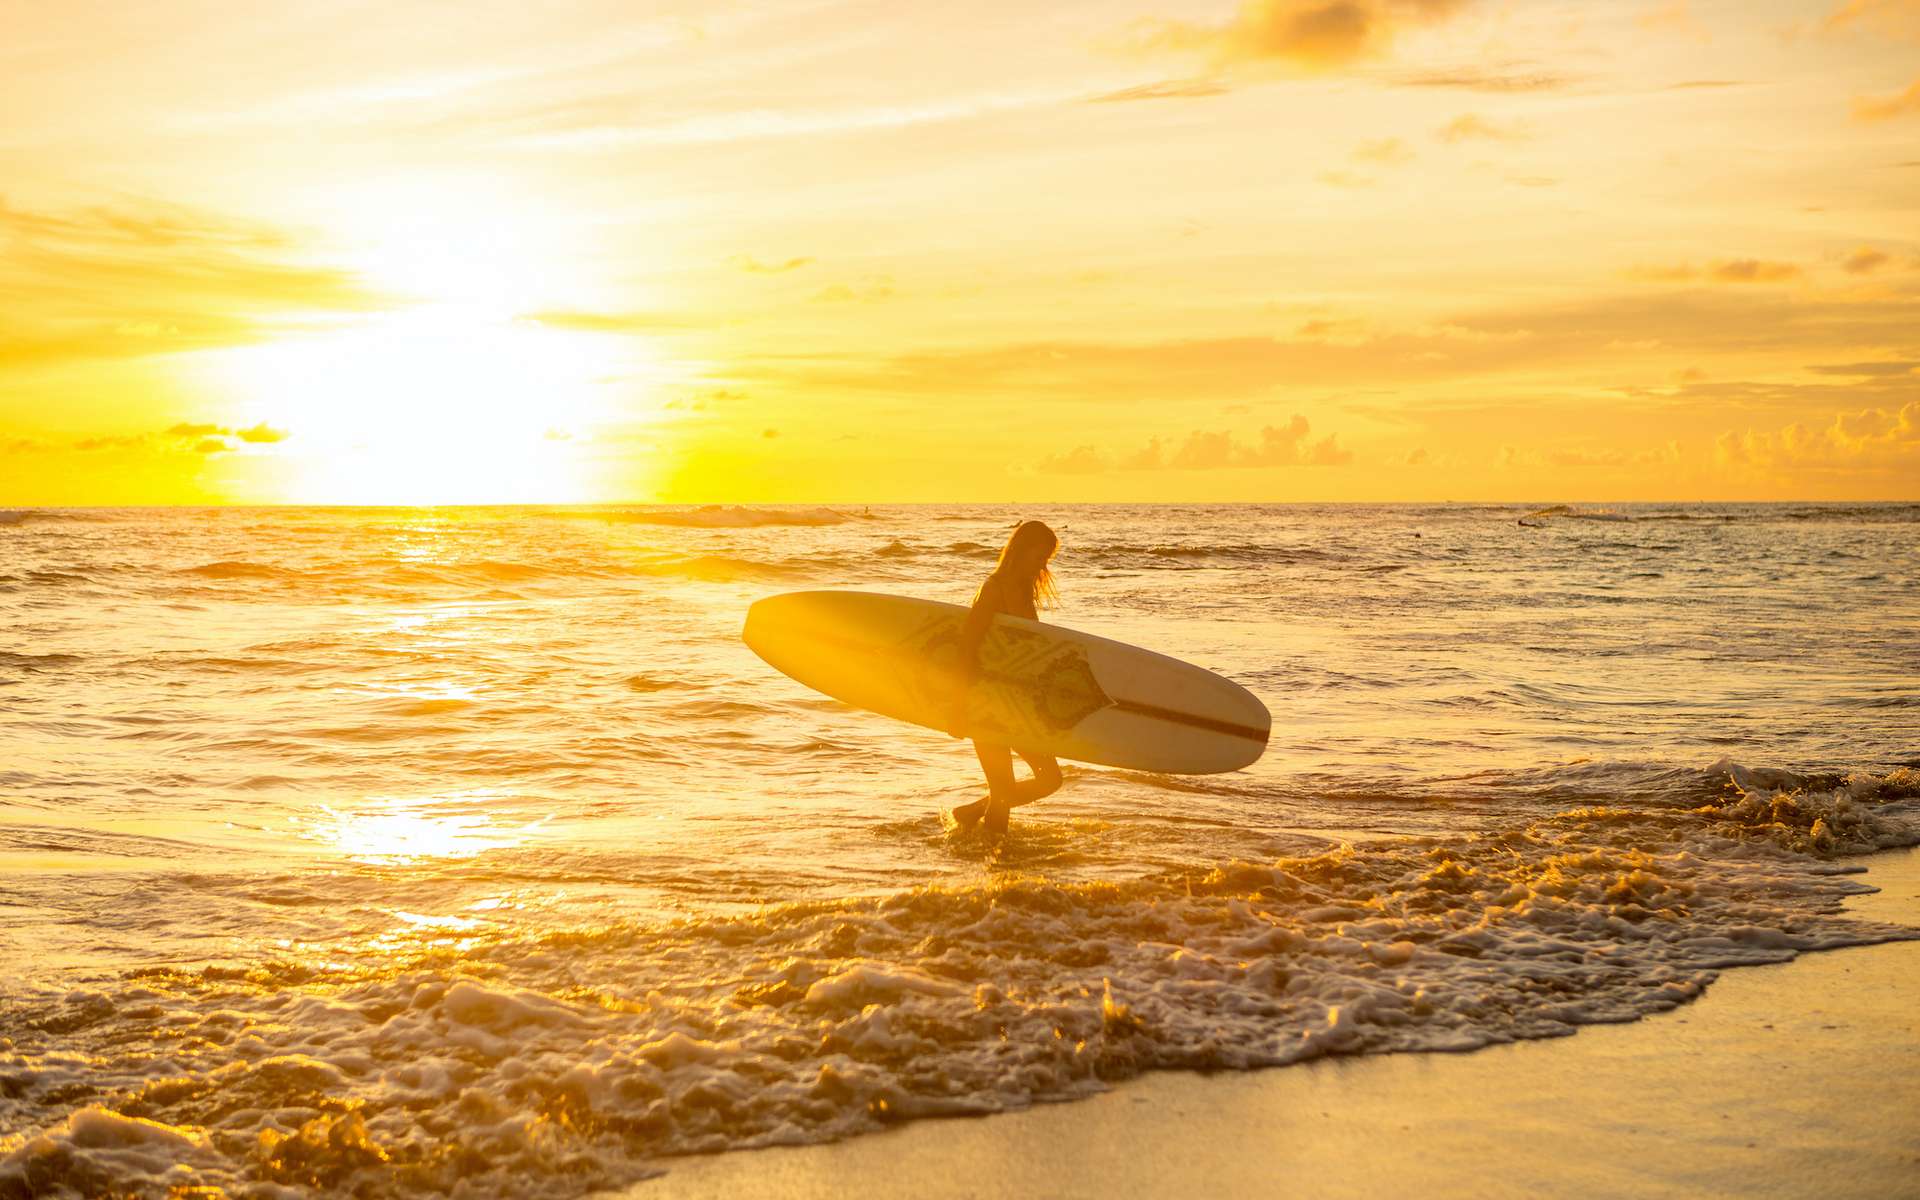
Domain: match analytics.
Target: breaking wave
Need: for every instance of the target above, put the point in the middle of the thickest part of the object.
(553, 1064)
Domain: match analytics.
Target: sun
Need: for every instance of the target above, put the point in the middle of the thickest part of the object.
(452, 393)
(433, 405)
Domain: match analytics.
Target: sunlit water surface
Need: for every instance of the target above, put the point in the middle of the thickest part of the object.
(471, 851)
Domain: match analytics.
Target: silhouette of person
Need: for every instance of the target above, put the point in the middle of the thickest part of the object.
(1020, 585)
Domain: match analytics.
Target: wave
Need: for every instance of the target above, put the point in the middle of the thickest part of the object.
(34, 516)
(240, 570)
(556, 1063)
(724, 516)
(56, 578)
(387, 574)
(1722, 514)
(12, 661)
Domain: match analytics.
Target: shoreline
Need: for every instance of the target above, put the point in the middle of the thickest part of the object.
(1789, 1079)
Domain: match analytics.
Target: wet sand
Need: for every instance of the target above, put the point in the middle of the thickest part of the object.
(1799, 1079)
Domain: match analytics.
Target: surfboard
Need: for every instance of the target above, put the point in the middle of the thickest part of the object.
(1039, 687)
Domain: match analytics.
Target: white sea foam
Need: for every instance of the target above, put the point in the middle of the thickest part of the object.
(545, 1066)
(470, 853)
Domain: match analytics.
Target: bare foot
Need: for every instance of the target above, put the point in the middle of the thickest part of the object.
(962, 818)
(995, 821)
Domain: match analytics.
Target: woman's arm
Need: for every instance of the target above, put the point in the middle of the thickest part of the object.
(973, 631)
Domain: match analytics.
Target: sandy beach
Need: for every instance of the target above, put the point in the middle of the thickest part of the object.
(1798, 1079)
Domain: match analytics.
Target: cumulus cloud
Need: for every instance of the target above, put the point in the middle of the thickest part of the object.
(1081, 460)
(1615, 457)
(1298, 35)
(197, 437)
(1753, 270)
(1862, 439)
(1289, 445)
(187, 430)
(1865, 261)
(124, 441)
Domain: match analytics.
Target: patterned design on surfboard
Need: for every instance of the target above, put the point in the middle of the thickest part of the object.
(1028, 686)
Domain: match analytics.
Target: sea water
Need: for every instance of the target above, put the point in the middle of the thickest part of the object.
(469, 851)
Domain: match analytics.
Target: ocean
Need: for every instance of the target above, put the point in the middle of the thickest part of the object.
(470, 852)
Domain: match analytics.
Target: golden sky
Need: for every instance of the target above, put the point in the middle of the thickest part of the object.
(345, 251)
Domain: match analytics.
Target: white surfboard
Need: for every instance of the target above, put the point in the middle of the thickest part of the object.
(1039, 687)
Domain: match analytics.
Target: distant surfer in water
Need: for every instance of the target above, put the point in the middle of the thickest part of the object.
(1020, 585)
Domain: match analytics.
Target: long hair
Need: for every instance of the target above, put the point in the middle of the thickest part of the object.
(1031, 541)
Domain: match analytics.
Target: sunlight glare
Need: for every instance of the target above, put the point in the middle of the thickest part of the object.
(402, 831)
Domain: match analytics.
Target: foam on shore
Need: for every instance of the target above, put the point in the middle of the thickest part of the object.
(550, 1065)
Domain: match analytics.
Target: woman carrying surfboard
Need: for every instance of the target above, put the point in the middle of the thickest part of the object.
(1021, 584)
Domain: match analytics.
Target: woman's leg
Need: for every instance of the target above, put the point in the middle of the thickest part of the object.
(1045, 782)
(996, 762)
(1002, 792)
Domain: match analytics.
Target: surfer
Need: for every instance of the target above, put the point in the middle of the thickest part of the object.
(1020, 585)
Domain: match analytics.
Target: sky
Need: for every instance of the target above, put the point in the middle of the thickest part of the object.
(331, 251)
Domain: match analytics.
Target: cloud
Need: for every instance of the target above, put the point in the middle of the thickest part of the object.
(1288, 445)
(756, 267)
(1388, 152)
(1865, 261)
(187, 430)
(1753, 270)
(1081, 460)
(1692, 326)
(600, 322)
(1165, 89)
(197, 437)
(1732, 270)
(1672, 15)
(1867, 370)
(1899, 17)
(1615, 457)
(616, 119)
(1875, 438)
(1472, 126)
(150, 278)
(1346, 179)
(867, 293)
(1297, 35)
(1886, 108)
(114, 442)
(1474, 79)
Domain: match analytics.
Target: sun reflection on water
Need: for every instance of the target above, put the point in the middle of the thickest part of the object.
(403, 831)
